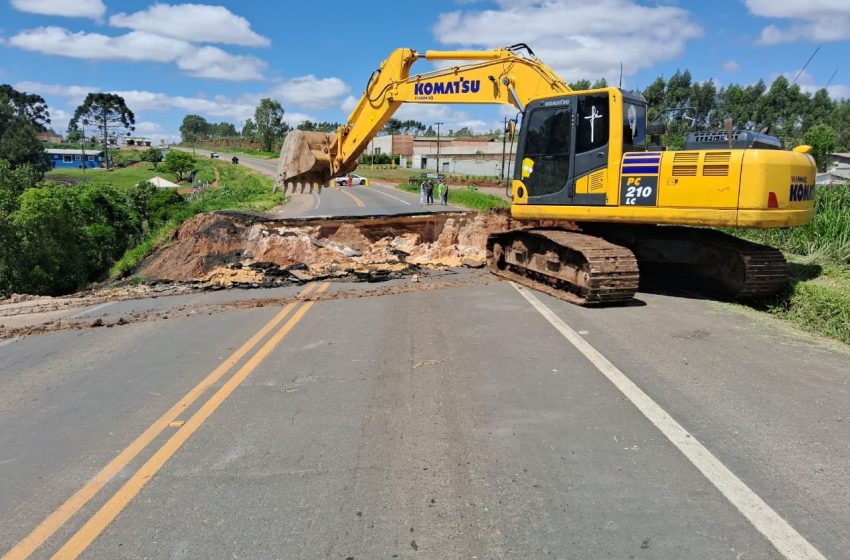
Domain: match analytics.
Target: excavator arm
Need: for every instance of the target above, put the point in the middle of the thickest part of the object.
(504, 76)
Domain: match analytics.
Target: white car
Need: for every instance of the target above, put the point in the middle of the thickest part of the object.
(355, 180)
(214, 155)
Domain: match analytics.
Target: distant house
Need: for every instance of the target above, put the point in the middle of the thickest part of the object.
(75, 159)
(839, 158)
(49, 136)
(136, 142)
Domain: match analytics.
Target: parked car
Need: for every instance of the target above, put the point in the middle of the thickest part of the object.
(355, 180)
(214, 155)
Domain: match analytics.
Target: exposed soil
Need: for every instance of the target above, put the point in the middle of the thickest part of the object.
(230, 248)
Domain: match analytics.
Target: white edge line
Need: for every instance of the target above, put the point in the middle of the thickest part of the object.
(318, 201)
(7, 341)
(779, 532)
(389, 195)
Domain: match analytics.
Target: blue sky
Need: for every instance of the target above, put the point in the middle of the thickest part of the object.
(218, 59)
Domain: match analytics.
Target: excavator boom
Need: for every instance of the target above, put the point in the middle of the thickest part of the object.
(511, 76)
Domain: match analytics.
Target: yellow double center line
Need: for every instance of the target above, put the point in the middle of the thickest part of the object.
(100, 520)
(356, 200)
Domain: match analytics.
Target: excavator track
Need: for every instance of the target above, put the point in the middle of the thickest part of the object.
(710, 261)
(579, 268)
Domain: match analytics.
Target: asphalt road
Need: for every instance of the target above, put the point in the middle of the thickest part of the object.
(457, 417)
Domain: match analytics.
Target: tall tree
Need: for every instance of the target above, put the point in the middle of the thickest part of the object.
(249, 129)
(269, 120)
(27, 105)
(193, 128)
(18, 142)
(580, 85)
(108, 113)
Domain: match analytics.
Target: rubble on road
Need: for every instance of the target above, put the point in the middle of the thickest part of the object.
(231, 249)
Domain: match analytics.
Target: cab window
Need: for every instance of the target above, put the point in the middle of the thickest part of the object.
(547, 144)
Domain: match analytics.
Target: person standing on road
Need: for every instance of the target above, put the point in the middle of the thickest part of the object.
(429, 192)
(422, 189)
(443, 190)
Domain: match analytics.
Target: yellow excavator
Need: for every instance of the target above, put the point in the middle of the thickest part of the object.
(586, 157)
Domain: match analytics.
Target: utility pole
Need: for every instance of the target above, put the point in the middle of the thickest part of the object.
(504, 141)
(438, 148)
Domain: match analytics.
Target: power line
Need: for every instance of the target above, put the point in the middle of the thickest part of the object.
(806, 64)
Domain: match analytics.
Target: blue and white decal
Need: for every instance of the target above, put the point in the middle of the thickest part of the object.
(642, 163)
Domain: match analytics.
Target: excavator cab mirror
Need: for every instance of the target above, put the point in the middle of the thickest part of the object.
(510, 130)
(656, 128)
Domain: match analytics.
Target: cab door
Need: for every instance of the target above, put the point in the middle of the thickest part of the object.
(563, 148)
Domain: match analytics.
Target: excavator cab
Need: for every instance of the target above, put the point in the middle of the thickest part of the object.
(567, 143)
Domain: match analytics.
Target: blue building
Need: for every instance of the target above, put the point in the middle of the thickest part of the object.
(61, 158)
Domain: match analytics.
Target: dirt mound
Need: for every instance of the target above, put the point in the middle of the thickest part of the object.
(233, 249)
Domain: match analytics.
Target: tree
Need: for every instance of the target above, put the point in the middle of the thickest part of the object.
(108, 113)
(393, 126)
(179, 163)
(193, 128)
(30, 106)
(822, 139)
(222, 130)
(249, 129)
(308, 126)
(269, 120)
(152, 155)
(18, 142)
(580, 85)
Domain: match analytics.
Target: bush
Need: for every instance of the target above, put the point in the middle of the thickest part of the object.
(827, 236)
(125, 158)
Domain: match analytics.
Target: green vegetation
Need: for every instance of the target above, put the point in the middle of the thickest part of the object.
(825, 239)
(238, 188)
(123, 177)
(818, 295)
(57, 237)
(468, 197)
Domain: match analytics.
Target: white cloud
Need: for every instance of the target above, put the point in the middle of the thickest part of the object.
(70, 8)
(808, 84)
(310, 91)
(451, 118)
(59, 120)
(578, 39)
(294, 119)
(348, 104)
(212, 62)
(814, 20)
(74, 94)
(731, 66)
(147, 128)
(137, 46)
(192, 22)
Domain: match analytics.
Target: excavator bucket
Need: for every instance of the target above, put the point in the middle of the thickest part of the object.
(305, 158)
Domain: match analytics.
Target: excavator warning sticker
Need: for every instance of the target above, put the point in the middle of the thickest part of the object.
(639, 191)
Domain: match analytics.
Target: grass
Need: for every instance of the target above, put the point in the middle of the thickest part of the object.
(826, 237)
(818, 295)
(468, 197)
(119, 177)
(817, 299)
(238, 188)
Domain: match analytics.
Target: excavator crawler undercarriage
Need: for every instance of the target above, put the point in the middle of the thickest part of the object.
(578, 268)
